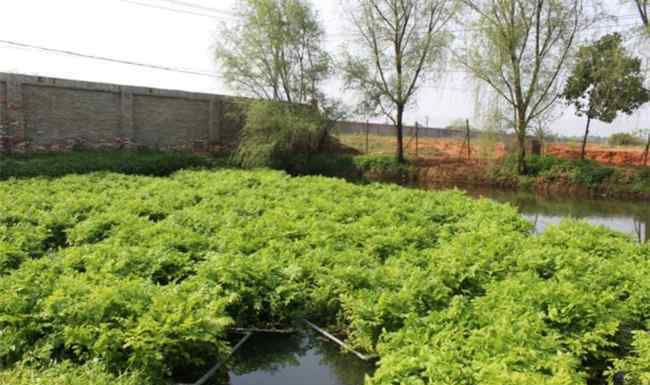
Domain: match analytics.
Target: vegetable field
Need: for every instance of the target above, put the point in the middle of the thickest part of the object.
(109, 278)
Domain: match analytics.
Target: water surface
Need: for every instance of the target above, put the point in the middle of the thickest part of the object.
(296, 359)
(630, 217)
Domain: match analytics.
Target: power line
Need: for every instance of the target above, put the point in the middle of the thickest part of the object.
(200, 7)
(175, 10)
(112, 60)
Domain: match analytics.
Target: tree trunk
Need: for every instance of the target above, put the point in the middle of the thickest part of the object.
(521, 141)
(521, 157)
(584, 141)
(400, 134)
(647, 151)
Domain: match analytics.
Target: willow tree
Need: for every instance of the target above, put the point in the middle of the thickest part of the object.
(520, 49)
(400, 44)
(274, 51)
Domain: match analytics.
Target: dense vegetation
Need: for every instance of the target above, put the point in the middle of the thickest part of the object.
(109, 278)
(586, 173)
(148, 162)
(624, 139)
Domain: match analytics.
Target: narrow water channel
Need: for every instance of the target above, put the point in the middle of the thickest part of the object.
(295, 359)
(630, 217)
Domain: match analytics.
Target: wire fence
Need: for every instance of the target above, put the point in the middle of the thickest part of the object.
(424, 142)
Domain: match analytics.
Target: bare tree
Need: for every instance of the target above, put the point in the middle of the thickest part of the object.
(401, 42)
(520, 48)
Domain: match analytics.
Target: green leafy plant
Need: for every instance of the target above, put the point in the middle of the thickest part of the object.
(83, 162)
(134, 278)
(277, 132)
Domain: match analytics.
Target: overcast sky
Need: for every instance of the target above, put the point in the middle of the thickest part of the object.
(184, 37)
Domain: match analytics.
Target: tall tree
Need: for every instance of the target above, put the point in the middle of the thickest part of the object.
(401, 43)
(274, 51)
(606, 80)
(520, 48)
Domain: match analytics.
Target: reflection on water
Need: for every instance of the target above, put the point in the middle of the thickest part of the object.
(296, 359)
(629, 217)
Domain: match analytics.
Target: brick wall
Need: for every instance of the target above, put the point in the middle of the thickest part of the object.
(47, 114)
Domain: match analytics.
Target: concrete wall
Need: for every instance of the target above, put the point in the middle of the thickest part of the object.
(45, 114)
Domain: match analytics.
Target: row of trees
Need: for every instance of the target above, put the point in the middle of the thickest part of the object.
(522, 50)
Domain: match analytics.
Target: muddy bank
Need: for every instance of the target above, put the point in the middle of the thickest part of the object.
(447, 172)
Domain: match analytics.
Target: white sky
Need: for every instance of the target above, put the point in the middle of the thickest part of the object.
(125, 30)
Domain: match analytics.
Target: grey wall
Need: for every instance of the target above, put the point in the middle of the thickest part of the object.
(40, 113)
(389, 130)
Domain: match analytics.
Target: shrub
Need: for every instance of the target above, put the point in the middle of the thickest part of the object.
(124, 322)
(535, 165)
(584, 172)
(624, 139)
(635, 369)
(590, 173)
(82, 162)
(332, 164)
(541, 164)
(67, 373)
(386, 166)
(275, 132)
(146, 275)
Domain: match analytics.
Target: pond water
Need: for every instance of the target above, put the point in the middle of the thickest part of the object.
(295, 359)
(630, 217)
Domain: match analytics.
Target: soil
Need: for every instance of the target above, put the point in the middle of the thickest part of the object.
(451, 149)
(616, 156)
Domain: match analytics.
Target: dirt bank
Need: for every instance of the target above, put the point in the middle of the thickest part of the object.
(616, 156)
(461, 172)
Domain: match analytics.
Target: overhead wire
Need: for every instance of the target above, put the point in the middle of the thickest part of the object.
(109, 59)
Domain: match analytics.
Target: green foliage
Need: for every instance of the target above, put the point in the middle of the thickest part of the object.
(67, 374)
(126, 322)
(275, 133)
(636, 367)
(583, 172)
(540, 164)
(274, 51)
(359, 168)
(624, 139)
(83, 162)
(387, 167)
(325, 164)
(558, 316)
(606, 80)
(145, 275)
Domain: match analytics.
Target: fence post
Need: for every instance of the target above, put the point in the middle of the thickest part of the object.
(367, 133)
(469, 141)
(417, 129)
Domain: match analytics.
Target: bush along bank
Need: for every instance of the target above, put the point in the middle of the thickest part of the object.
(354, 168)
(133, 279)
(151, 163)
(548, 174)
